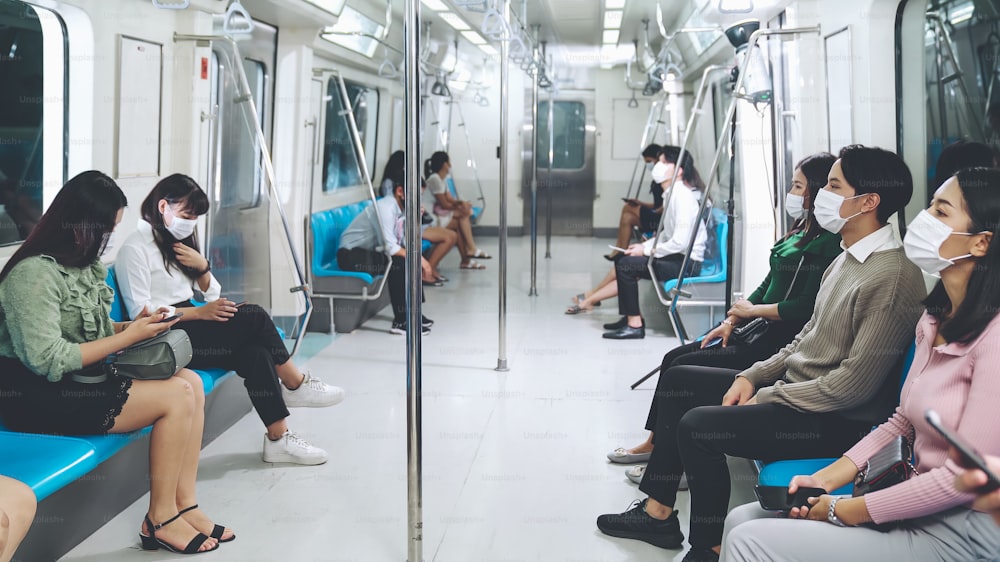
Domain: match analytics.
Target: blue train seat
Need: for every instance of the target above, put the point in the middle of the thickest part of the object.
(46, 463)
(713, 269)
(780, 473)
(476, 211)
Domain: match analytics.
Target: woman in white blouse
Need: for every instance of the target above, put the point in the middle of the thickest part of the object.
(454, 214)
(160, 265)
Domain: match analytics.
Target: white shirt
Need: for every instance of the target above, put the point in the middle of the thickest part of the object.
(879, 241)
(145, 281)
(391, 217)
(435, 186)
(681, 218)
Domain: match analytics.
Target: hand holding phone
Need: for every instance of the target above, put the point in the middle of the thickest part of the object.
(613, 247)
(712, 343)
(171, 318)
(239, 304)
(969, 457)
(632, 202)
(777, 498)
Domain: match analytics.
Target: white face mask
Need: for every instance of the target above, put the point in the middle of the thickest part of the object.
(923, 240)
(827, 210)
(649, 166)
(793, 206)
(110, 244)
(180, 228)
(660, 172)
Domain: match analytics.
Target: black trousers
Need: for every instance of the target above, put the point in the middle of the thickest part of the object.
(630, 269)
(694, 434)
(733, 356)
(373, 263)
(249, 344)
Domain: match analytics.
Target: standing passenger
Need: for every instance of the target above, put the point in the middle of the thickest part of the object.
(160, 264)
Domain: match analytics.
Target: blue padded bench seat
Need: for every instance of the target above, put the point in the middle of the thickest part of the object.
(780, 473)
(46, 463)
(327, 227)
(476, 211)
(713, 269)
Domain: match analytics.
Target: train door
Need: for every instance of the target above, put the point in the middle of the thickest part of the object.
(238, 240)
(571, 186)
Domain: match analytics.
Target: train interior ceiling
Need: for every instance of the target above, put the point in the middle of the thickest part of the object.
(284, 109)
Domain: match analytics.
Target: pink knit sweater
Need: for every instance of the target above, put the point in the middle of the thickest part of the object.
(960, 382)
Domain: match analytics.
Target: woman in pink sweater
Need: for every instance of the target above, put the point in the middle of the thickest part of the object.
(953, 372)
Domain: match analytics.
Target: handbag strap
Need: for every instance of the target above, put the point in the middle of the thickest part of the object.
(794, 277)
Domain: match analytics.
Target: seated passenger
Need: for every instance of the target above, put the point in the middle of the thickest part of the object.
(55, 319)
(442, 238)
(972, 480)
(454, 214)
(662, 173)
(17, 509)
(954, 373)
(640, 214)
(160, 265)
(668, 249)
(827, 387)
(359, 251)
(785, 297)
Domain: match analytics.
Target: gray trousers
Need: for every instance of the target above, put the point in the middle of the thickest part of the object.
(959, 534)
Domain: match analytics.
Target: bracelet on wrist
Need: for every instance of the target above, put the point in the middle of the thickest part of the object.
(727, 321)
(208, 267)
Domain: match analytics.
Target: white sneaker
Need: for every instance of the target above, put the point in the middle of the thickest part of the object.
(293, 449)
(312, 393)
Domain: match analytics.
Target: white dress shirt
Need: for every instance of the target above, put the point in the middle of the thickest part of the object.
(145, 281)
(681, 218)
(879, 241)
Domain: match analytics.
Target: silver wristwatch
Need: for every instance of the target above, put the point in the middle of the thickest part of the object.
(831, 516)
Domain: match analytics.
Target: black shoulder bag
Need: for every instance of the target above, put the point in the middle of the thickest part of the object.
(755, 329)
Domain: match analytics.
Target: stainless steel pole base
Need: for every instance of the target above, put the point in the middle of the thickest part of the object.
(502, 365)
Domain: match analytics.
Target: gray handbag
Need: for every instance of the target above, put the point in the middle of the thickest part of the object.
(157, 358)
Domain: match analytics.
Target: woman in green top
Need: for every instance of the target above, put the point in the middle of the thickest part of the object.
(801, 256)
(55, 319)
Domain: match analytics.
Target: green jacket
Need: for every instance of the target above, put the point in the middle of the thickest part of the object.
(785, 257)
(47, 310)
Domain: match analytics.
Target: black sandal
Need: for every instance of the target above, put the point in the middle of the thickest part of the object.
(217, 531)
(150, 542)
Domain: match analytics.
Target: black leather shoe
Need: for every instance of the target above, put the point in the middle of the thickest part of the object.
(701, 555)
(637, 524)
(626, 333)
(621, 323)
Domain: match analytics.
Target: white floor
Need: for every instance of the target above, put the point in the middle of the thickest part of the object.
(513, 463)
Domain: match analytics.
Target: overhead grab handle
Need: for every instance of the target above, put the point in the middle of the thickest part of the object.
(494, 27)
(387, 69)
(237, 20)
(182, 5)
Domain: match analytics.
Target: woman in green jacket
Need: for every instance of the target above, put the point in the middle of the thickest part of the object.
(785, 297)
(55, 320)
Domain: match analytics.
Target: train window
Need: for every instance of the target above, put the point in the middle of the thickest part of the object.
(32, 46)
(569, 119)
(241, 162)
(340, 161)
(962, 73)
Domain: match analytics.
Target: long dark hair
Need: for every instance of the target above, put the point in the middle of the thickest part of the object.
(433, 164)
(183, 192)
(816, 169)
(76, 227)
(672, 154)
(981, 191)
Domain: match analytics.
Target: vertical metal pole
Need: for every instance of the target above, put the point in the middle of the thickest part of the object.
(414, 288)
(504, 102)
(533, 291)
(548, 183)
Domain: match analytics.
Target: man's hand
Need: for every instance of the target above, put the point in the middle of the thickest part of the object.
(739, 393)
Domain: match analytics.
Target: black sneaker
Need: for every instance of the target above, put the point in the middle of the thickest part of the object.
(637, 524)
(425, 321)
(697, 554)
(620, 323)
(399, 328)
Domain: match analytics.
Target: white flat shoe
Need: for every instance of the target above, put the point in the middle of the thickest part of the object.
(622, 456)
(636, 473)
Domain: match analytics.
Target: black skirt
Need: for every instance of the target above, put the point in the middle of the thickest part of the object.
(32, 404)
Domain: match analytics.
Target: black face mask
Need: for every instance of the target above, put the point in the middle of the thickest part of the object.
(426, 218)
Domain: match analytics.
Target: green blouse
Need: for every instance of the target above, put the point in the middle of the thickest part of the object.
(785, 257)
(47, 310)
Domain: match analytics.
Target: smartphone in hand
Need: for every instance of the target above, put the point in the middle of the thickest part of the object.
(172, 318)
(969, 457)
(239, 304)
(613, 247)
(777, 498)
